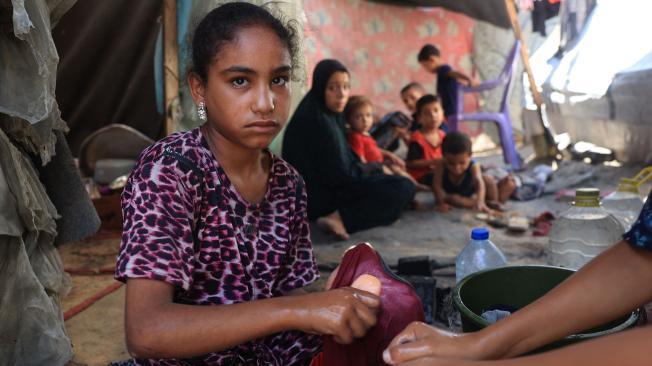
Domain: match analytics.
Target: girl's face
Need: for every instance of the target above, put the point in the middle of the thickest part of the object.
(337, 93)
(431, 115)
(362, 118)
(247, 91)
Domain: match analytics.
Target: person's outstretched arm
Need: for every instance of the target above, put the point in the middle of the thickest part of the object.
(480, 188)
(158, 328)
(462, 78)
(438, 188)
(626, 348)
(611, 285)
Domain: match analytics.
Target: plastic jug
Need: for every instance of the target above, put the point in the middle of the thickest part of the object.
(625, 203)
(583, 231)
(480, 253)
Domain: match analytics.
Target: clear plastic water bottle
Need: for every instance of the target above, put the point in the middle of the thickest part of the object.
(625, 203)
(480, 253)
(583, 231)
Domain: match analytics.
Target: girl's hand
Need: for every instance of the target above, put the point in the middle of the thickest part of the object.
(419, 341)
(345, 313)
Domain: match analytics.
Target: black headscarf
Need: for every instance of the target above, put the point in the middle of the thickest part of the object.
(315, 144)
(320, 76)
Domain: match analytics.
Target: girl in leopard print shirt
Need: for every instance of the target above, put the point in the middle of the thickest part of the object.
(216, 243)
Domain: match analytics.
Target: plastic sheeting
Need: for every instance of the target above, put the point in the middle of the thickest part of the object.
(28, 68)
(31, 272)
(492, 11)
(598, 91)
(32, 279)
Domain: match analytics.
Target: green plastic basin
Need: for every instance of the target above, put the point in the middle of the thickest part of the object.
(518, 286)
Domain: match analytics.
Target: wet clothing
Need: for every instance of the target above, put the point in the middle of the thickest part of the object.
(420, 149)
(315, 144)
(465, 186)
(400, 306)
(447, 89)
(184, 223)
(640, 234)
(365, 147)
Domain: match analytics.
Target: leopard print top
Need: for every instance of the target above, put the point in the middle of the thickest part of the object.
(185, 224)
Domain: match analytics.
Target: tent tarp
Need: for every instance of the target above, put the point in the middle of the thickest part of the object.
(491, 11)
(598, 90)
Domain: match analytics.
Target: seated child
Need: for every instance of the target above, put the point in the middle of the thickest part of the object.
(447, 79)
(359, 116)
(410, 94)
(424, 150)
(459, 182)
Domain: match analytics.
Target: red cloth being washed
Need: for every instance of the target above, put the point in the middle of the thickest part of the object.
(400, 305)
(365, 147)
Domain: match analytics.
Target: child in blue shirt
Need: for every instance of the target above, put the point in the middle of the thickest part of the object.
(447, 79)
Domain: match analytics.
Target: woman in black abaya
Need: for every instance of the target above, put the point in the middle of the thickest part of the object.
(344, 195)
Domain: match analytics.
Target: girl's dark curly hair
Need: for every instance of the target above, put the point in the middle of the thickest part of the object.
(221, 25)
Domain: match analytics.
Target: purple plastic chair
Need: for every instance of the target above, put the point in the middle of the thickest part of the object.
(501, 118)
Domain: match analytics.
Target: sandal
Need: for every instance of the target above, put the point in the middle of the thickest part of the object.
(542, 224)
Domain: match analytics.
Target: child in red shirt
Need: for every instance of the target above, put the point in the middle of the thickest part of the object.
(359, 117)
(425, 144)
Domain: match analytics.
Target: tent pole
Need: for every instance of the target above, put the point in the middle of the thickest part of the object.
(536, 95)
(525, 55)
(171, 66)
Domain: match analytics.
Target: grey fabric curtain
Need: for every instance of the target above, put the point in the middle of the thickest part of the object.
(491, 11)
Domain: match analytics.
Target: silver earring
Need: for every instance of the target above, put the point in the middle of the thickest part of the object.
(201, 111)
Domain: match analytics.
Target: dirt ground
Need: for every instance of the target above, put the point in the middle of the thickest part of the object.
(97, 333)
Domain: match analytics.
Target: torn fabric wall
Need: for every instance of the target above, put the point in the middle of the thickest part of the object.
(31, 273)
(32, 279)
(28, 66)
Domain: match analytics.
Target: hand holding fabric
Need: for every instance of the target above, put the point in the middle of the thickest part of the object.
(345, 313)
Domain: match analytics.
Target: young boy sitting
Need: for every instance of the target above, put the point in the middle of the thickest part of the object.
(359, 117)
(447, 79)
(424, 150)
(459, 182)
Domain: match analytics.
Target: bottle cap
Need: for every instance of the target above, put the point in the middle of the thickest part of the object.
(628, 185)
(587, 197)
(480, 233)
(585, 193)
